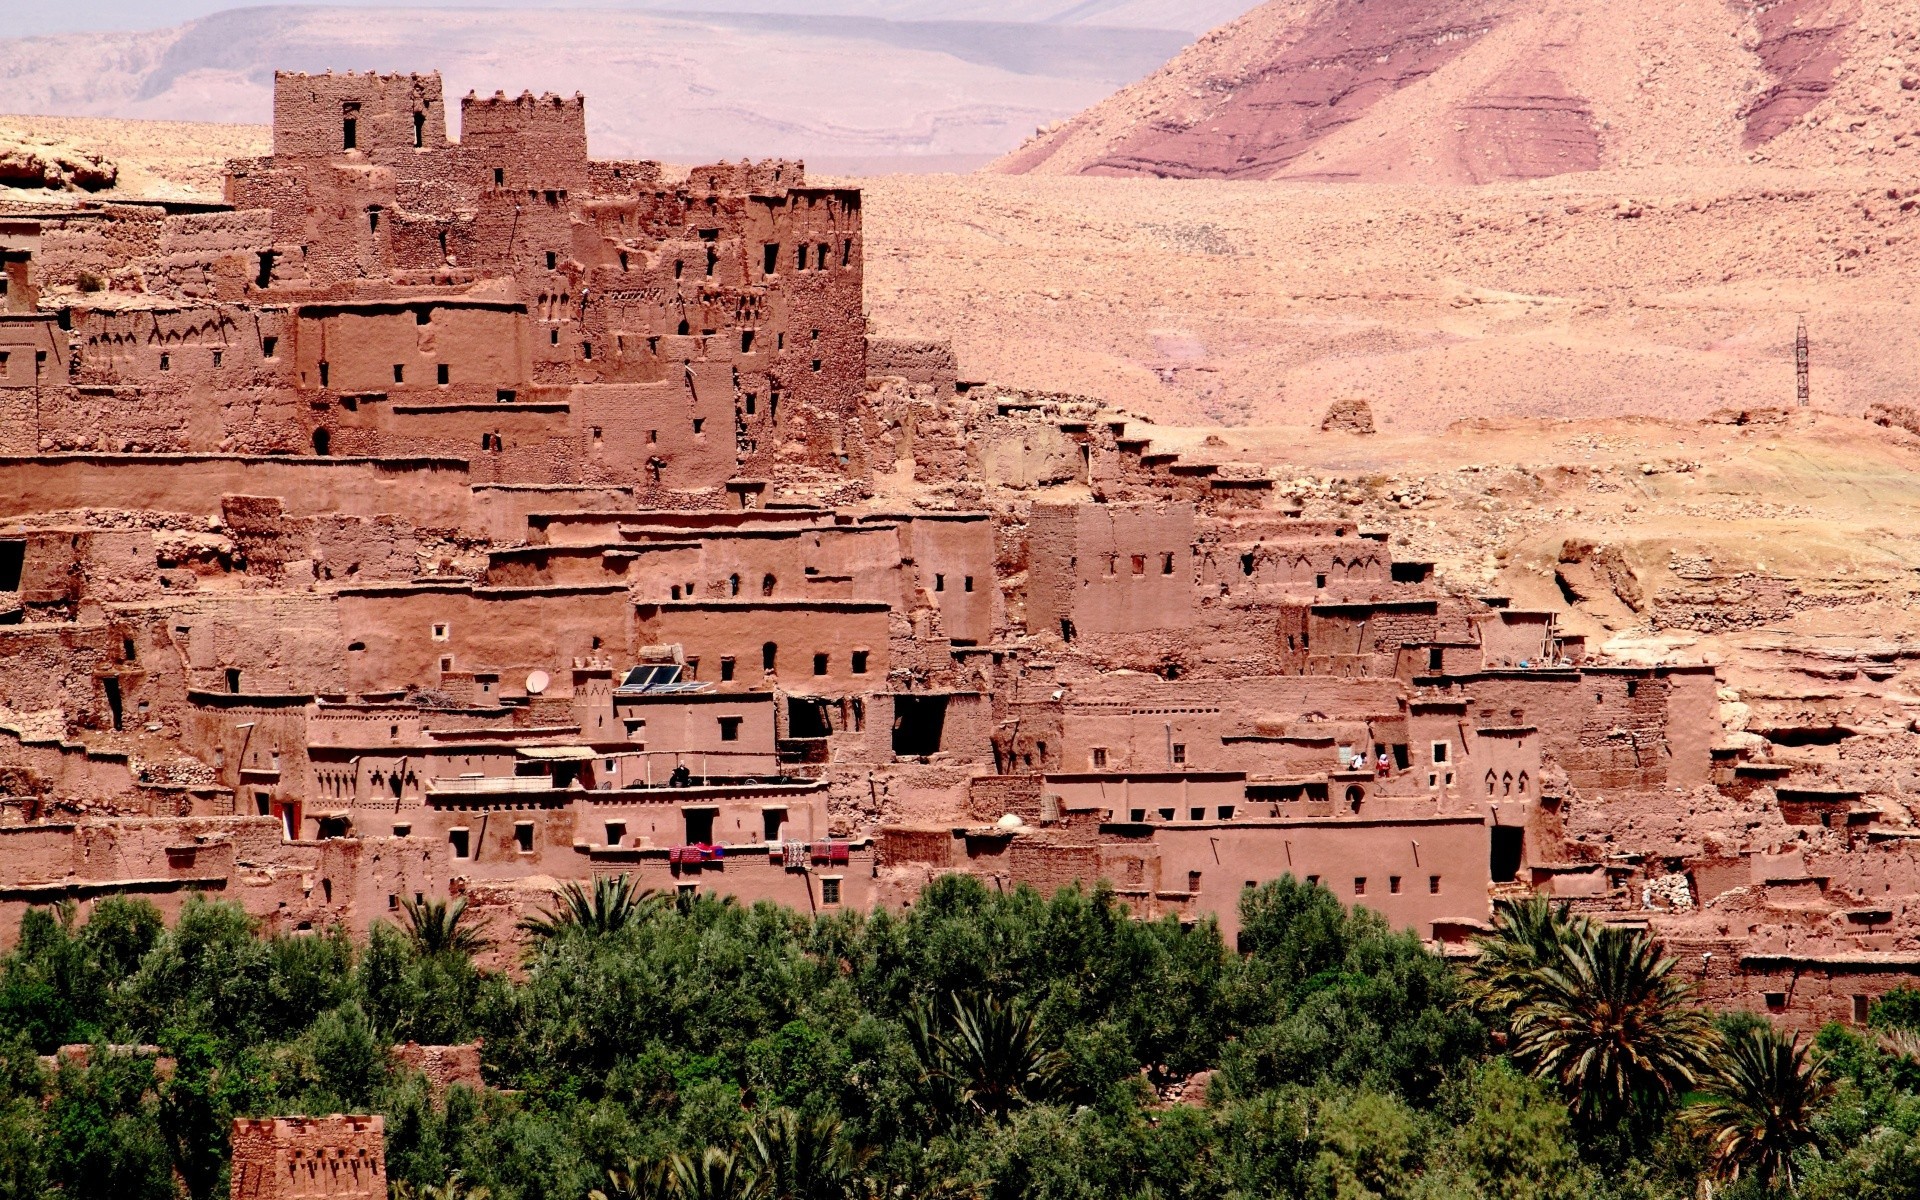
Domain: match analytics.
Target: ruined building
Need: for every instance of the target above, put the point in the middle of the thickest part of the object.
(454, 516)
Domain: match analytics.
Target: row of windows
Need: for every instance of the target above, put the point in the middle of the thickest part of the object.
(1393, 884)
(1097, 755)
(443, 374)
(803, 255)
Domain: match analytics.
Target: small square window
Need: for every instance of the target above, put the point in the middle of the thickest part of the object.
(457, 838)
(1193, 882)
(1393, 884)
(1196, 814)
(859, 662)
(1225, 812)
(726, 669)
(1360, 885)
(616, 832)
(1433, 885)
(1166, 814)
(1179, 753)
(1776, 1001)
(1138, 816)
(1440, 752)
(730, 729)
(1099, 756)
(1319, 581)
(403, 830)
(819, 664)
(830, 890)
(553, 260)
(439, 632)
(1139, 564)
(523, 836)
(1313, 881)
(699, 424)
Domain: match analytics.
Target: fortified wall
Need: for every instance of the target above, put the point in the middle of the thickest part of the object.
(451, 516)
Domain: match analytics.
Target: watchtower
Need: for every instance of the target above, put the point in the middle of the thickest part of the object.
(378, 116)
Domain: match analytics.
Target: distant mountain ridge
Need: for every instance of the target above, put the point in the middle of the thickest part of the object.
(1189, 16)
(1469, 91)
(849, 92)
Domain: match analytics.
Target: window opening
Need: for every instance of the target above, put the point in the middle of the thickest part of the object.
(769, 656)
(919, 723)
(457, 839)
(859, 665)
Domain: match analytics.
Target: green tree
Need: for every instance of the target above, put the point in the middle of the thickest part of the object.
(637, 1180)
(1528, 935)
(801, 1158)
(439, 927)
(989, 1055)
(715, 1174)
(1612, 1026)
(611, 905)
(1763, 1096)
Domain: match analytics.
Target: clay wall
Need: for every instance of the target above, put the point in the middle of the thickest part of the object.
(713, 630)
(280, 1158)
(1439, 864)
(752, 878)
(407, 635)
(434, 493)
(539, 142)
(1110, 569)
(309, 113)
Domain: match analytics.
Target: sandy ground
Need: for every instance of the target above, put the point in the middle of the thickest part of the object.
(1663, 292)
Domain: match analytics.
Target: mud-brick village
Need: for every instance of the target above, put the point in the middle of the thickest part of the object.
(528, 674)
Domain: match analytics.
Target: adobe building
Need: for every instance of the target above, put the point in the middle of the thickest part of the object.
(338, 1157)
(455, 516)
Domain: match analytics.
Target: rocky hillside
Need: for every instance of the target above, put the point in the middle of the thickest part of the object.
(1467, 91)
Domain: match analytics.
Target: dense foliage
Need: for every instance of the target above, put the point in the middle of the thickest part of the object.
(978, 1044)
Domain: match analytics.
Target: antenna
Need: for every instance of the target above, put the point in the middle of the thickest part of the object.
(1800, 362)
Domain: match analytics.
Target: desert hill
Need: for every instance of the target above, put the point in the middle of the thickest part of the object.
(1467, 91)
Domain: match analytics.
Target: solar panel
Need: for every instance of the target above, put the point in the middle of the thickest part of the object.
(651, 677)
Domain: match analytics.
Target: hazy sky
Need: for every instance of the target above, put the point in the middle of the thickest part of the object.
(29, 17)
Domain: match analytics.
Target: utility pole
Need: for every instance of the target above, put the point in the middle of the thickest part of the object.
(1800, 362)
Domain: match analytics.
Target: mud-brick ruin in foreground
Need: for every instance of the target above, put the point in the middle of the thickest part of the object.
(462, 517)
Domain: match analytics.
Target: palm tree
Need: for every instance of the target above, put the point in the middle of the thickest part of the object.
(1611, 1025)
(437, 926)
(990, 1056)
(612, 905)
(715, 1175)
(652, 1180)
(1527, 934)
(799, 1158)
(455, 1188)
(1761, 1100)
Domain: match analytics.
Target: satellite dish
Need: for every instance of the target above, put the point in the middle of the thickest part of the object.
(537, 683)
